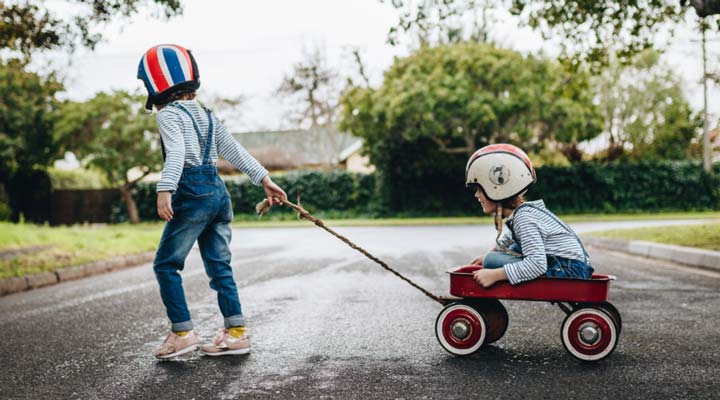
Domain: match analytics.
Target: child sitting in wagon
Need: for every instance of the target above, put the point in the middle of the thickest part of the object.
(536, 243)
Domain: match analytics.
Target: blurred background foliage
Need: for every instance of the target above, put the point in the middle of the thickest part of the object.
(604, 113)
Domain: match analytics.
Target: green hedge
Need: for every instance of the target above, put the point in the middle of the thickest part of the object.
(582, 188)
(642, 187)
(333, 192)
(77, 179)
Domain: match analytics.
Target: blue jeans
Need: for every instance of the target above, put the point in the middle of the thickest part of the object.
(202, 212)
(556, 266)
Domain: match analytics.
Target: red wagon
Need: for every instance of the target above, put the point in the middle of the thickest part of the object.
(475, 317)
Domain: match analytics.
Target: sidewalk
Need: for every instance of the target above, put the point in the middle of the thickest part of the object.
(689, 256)
(22, 283)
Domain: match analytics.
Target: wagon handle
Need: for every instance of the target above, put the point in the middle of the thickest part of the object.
(264, 206)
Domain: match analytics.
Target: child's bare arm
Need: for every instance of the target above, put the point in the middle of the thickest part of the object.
(164, 205)
(488, 277)
(273, 192)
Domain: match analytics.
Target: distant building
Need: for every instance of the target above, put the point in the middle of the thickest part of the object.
(319, 148)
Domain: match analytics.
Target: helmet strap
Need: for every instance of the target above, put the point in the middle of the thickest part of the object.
(498, 227)
(498, 217)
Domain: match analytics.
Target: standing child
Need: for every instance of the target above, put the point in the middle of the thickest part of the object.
(537, 242)
(193, 199)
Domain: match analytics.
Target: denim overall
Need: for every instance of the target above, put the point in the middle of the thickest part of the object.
(557, 266)
(201, 211)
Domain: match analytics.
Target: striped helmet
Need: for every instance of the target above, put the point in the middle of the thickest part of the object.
(167, 69)
(500, 170)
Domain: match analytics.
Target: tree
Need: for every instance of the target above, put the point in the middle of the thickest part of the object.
(27, 145)
(644, 110)
(438, 105)
(112, 133)
(588, 28)
(313, 87)
(27, 27)
(26, 118)
(28, 108)
(467, 95)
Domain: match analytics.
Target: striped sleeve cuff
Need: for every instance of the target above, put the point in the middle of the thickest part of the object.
(258, 175)
(165, 187)
(511, 270)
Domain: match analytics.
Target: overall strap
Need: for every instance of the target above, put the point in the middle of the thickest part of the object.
(562, 224)
(208, 142)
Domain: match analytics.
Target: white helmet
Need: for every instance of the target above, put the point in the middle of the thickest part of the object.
(501, 170)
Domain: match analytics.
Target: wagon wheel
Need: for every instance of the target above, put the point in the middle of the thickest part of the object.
(496, 318)
(614, 313)
(589, 334)
(460, 329)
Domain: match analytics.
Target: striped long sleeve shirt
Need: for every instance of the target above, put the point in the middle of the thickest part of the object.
(539, 235)
(183, 150)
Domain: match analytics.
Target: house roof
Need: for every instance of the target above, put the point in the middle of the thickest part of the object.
(296, 148)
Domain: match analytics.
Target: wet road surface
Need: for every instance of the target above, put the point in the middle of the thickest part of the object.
(328, 323)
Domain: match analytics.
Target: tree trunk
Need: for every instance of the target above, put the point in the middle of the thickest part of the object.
(571, 152)
(470, 145)
(127, 198)
(615, 151)
(706, 7)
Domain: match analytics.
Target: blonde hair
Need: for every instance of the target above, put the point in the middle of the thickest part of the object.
(510, 204)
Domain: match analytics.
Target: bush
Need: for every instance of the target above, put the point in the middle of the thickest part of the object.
(617, 187)
(77, 179)
(338, 192)
(5, 210)
(581, 188)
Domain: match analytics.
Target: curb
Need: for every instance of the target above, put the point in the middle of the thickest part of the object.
(689, 256)
(23, 283)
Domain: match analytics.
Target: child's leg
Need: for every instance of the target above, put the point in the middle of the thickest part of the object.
(177, 240)
(567, 268)
(214, 245)
(498, 259)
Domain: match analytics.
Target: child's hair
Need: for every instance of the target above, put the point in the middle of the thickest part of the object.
(513, 202)
(186, 95)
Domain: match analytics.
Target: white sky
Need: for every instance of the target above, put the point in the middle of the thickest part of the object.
(245, 47)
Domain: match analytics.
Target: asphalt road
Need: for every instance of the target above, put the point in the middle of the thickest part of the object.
(328, 323)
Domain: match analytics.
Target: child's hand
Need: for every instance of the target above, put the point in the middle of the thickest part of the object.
(477, 261)
(164, 205)
(487, 277)
(273, 192)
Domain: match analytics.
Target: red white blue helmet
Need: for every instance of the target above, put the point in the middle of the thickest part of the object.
(167, 69)
(501, 170)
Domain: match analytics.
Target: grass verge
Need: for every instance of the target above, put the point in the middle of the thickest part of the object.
(704, 236)
(27, 249)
